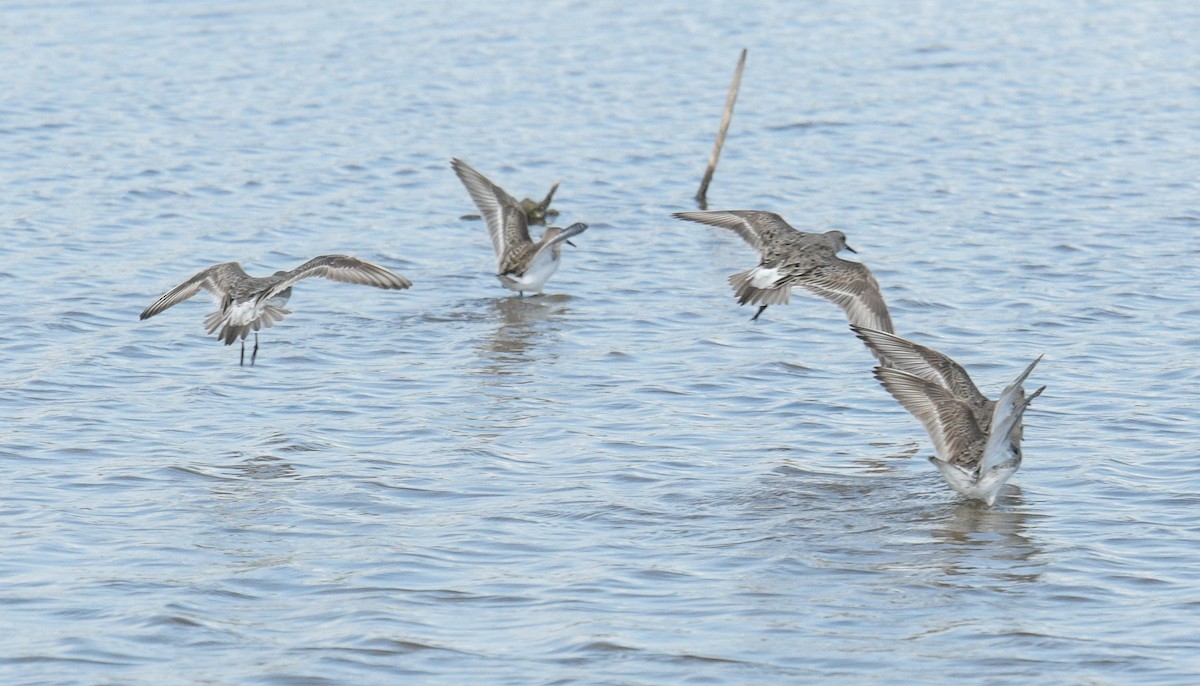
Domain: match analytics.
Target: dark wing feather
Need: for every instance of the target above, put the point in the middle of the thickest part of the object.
(921, 361)
(506, 221)
(759, 229)
(339, 268)
(853, 288)
(215, 280)
(948, 420)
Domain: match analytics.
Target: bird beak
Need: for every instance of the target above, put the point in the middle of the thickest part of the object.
(850, 249)
(570, 244)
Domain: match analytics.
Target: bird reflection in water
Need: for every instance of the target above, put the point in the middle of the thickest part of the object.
(969, 518)
(995, 542)
(521, 325)
(888, 464)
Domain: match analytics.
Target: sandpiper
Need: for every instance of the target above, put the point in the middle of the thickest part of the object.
(522, 264)
(790, 258)
(978, 441)
(249, 303)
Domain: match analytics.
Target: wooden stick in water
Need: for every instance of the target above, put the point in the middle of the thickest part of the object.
(730, 99)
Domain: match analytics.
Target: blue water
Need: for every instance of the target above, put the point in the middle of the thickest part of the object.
(625, 481)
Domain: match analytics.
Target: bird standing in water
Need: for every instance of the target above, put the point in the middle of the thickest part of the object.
(522, 264)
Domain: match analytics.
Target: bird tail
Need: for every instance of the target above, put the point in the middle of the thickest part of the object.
(213, 320)
(233, 332)
(270, 315)
(749, 288)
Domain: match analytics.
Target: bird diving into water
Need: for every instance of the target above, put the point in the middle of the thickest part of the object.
(977, 440)
(522, 264)
(249, 303)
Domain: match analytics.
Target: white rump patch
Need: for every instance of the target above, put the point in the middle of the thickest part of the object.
(763, 278)
(242, 313)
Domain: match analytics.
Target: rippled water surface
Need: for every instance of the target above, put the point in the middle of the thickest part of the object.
(625, 481)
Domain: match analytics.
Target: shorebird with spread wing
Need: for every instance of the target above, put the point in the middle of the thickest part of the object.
(522, 264)
(249, 303)
(977, 440)
(791, 258)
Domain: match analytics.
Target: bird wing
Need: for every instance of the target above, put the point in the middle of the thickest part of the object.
(759, 229)
(1004, 433)
(213, 279)
(853, 288)
(921, 361)
(338, 268)
(506, 221)
(1004, 440)
(564, 235)
(948, 420)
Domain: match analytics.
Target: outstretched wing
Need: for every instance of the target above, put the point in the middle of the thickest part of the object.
(1004, 434)
(564, 235)
(759, 229)
(214, 279)
(506, 221)
(921, 361)
(1004, 442)
(853, 288)
(948, 420)
(339, 268)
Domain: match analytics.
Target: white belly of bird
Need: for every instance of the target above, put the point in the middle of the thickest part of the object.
(535, 277)
(985, 487)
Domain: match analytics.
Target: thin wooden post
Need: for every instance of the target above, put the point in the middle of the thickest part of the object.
(730, 99)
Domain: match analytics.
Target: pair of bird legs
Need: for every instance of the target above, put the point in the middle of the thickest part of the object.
(253, 353)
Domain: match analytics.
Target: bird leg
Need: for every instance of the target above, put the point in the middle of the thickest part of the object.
(254, 354)
(242, 360)
(760, 311)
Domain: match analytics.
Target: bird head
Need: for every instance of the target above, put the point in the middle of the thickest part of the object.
(576, 228)
(839, 241)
